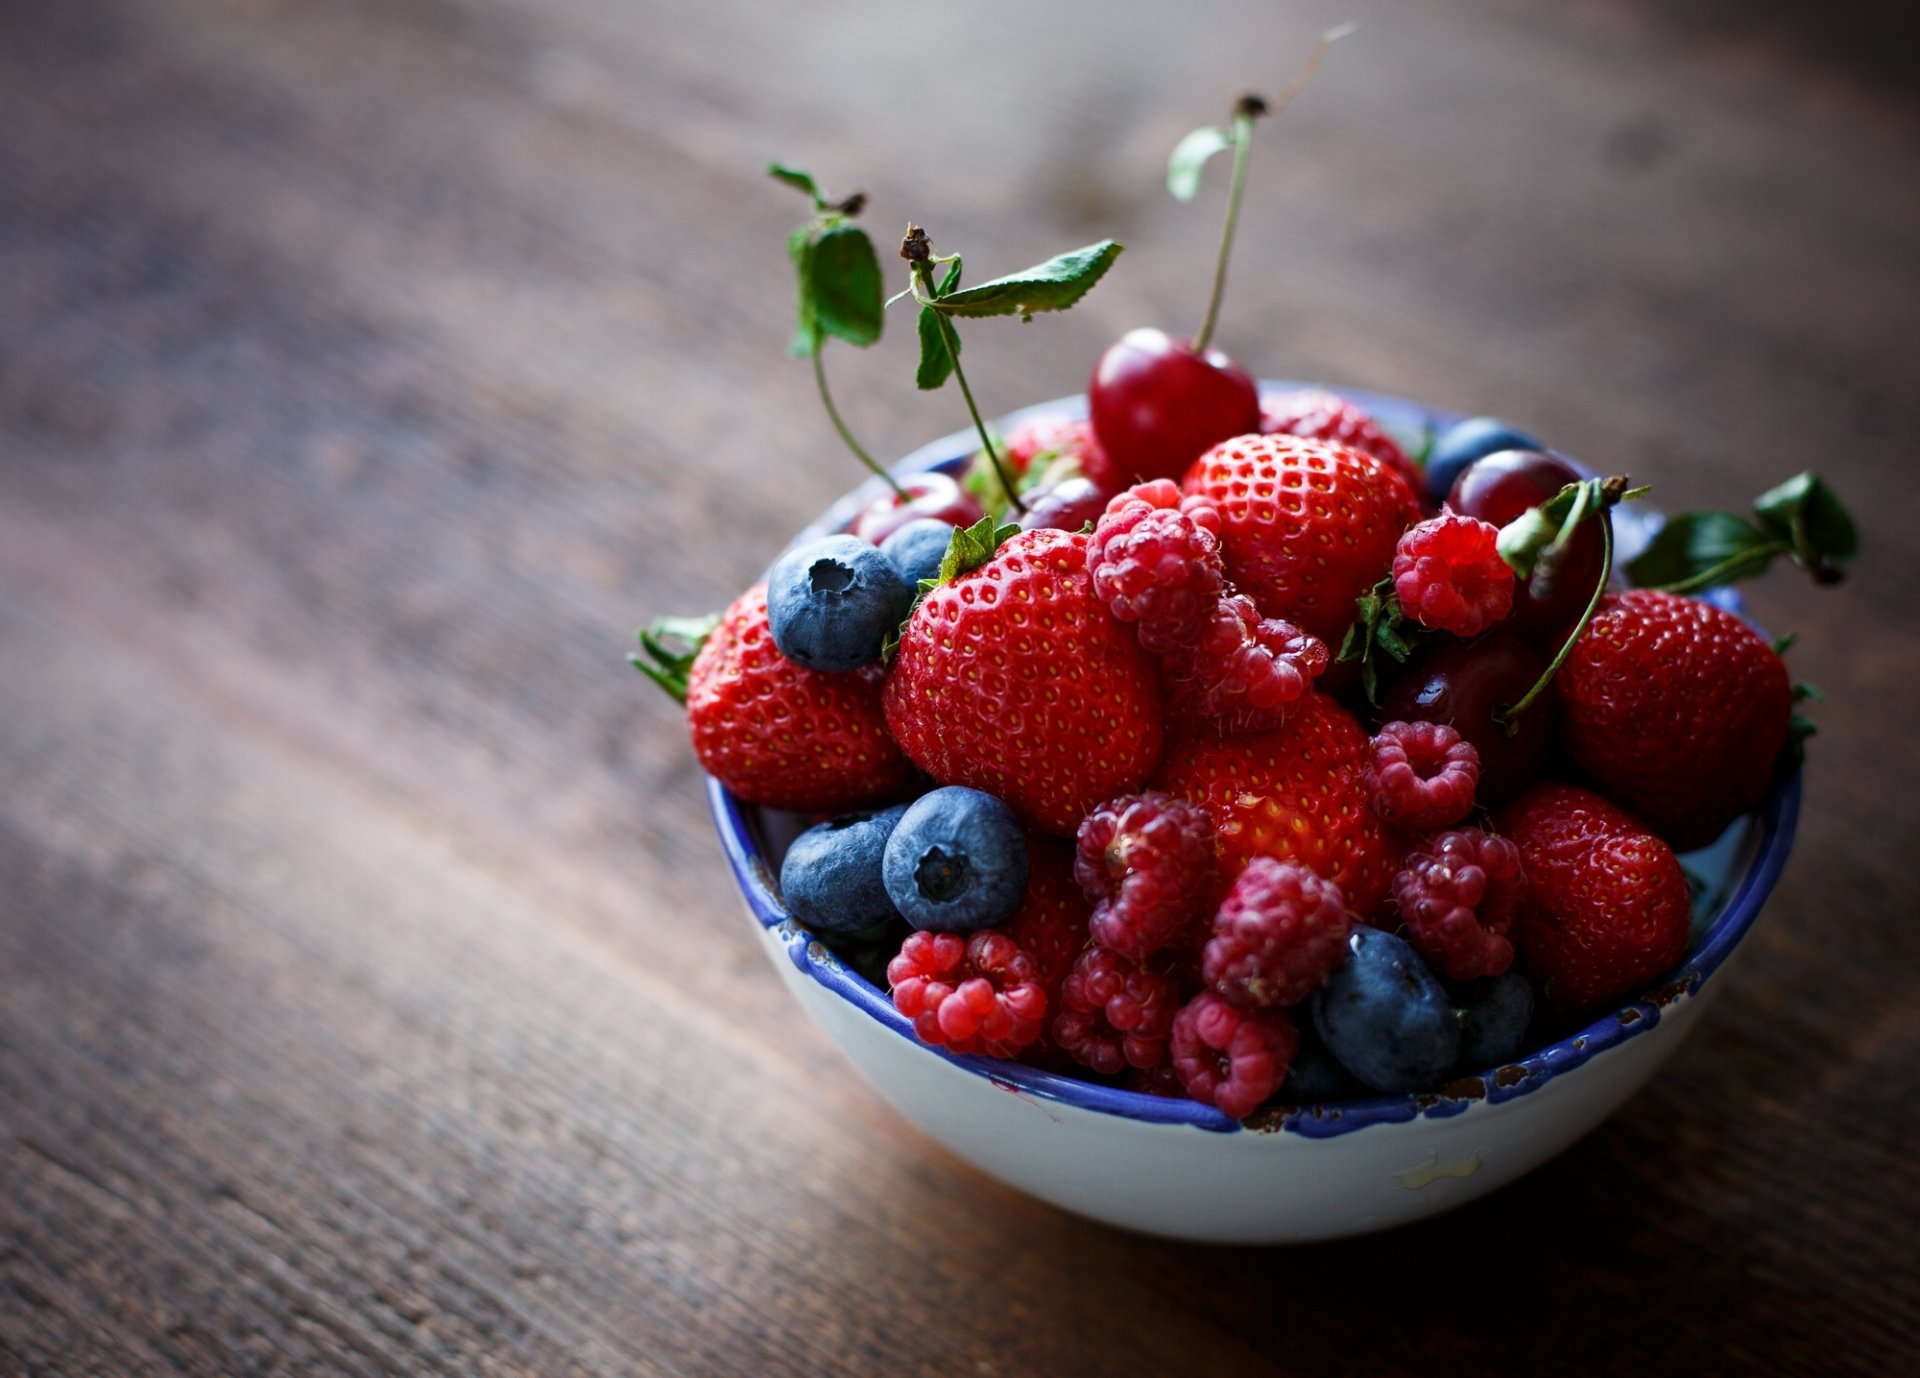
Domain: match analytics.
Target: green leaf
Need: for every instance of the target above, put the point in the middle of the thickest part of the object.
(797, 179)
(1380, 627)
(1701, 548)
(936, 364)
(1051, 286)
(846, 285)
(1190, 157)
(1802, 691)
(806, 333)
(665, 665)
(1784, 642)
(1799, 728)
(972, 546)
(1810, 517)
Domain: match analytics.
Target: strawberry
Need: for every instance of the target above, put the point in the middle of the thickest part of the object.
(1314, 414)
(773, 732)
(1677, 709)
(1297, 793)
(1014, 678)
(1051, 923)
(1306, 526)
(1609, 910)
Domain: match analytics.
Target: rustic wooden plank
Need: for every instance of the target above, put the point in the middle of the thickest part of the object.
(367, 370)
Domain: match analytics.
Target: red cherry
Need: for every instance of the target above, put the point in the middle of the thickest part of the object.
(1461, 683)
(1156, 405)
(1066, 506)
(1499, 488)
(930, 495)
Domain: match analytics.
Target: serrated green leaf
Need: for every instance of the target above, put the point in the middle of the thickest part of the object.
(1190, 157)
(1809, 515)
(806, 331)
(972, 546)
(1697, 545)
(1051, 286)
(797, 179)
(846, 285)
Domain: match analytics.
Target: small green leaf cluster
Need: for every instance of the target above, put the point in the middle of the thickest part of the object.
(837, 272)
(1054, 285)
(666, 665)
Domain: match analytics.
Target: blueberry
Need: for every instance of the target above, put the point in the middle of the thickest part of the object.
(1459, 446)
(1385, 1016)
(1316, 1076)
(1494, 1015)
(917, 549)
(832, 602)
(957, 862)
(831, 878)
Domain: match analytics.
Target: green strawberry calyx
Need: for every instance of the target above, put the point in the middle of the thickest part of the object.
(970, 548)
(669, 666)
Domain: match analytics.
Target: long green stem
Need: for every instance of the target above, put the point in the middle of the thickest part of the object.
(833, 412)
(1728, 569)
(1509, 718)
(1242, 148)
(952, 342)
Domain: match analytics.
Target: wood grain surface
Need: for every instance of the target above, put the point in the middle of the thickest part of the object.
(373, 998)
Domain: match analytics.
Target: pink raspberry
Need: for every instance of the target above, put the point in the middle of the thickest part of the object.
(1245, 672)
(1319, 415)
(1460, 894)
(1155, 566)
(1422, 775)
(1449, 575)
(974, 993)
(1115, 1013)
(1281, 931)
(1146, 860)
(1231, 1058)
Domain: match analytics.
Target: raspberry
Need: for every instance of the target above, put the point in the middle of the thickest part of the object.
(1244, 672)
(1158, 1080)
(1156, 566)
(1145, 859)
(1318, 415)
(1230, 1058)
(1050, 925)
(977, 993)
(1279, 933)
(1449, 574)
(1422, 775)
(1460, 894)
(1115, 1013)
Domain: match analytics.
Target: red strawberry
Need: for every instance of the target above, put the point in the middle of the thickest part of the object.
(1677, 709)
(1609, 910)
(1306, 526)
(1015, 679)
(1297, 793)
(1315, 414)
(1051, 923)
(776, 733)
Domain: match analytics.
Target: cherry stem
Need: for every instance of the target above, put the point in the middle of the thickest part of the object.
(1244, 114)
(1509, 718)
(833, 412)
(1730, 569)
(924, 272)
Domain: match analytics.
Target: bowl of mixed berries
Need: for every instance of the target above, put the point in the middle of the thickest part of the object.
(1241, 811)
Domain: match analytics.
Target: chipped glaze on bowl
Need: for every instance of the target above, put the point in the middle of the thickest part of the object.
(1291, 1173)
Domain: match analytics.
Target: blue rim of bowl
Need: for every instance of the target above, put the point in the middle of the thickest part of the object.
(737, 825)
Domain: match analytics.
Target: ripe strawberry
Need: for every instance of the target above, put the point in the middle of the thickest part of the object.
(1306, 526)
(1051, 923)
(1314, 414)
(776, 733)
(1677, 709)
(1609, 910)
(1015, 679)
(1297, 793)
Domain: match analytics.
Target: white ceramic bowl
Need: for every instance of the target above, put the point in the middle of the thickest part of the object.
(1185, 1170)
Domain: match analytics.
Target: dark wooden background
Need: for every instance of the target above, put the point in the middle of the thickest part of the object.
(372, 994)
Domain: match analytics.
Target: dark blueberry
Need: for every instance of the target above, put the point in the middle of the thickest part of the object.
(1386, 1017)
(1460, 445)
(1494, 1015)
(831, 879)
(917, 549)
(1316, 1076)
(832, 602)
(957, 862)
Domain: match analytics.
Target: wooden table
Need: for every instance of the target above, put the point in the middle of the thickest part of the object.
(372, 994)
